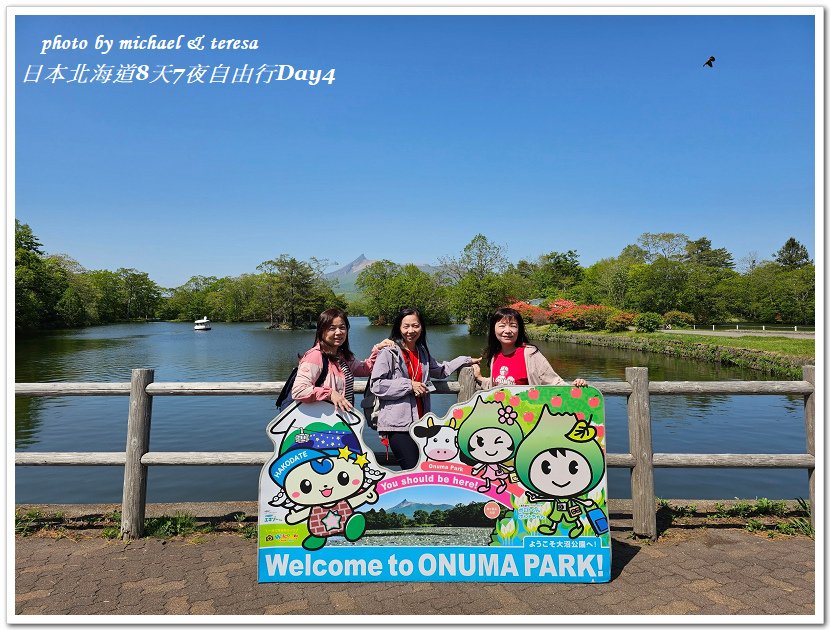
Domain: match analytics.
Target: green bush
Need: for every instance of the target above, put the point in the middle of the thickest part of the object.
(648, 322)
(679, 319)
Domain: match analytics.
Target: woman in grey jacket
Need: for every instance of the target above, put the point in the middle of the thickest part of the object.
(401, 381)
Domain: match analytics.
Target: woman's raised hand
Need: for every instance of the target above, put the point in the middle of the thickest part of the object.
(383, 344)
(418, 388)
(580, 382)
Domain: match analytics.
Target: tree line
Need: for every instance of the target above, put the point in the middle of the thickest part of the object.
(461, 515)
(55, 291)
(665, 273)
(661, 273)
(286, 293)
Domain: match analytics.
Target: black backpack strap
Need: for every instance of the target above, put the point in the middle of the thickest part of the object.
(289, 383)
(324, 373)
(286, 388)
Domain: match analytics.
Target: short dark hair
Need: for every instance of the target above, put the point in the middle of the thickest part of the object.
(325, 320)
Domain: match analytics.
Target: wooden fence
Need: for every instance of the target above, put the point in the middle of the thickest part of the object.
(641, 459)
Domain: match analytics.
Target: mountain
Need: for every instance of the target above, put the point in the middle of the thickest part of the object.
(408, 508)
(353, 268)
(347, 275)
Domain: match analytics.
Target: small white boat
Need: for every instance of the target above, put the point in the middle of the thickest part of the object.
(202, 324)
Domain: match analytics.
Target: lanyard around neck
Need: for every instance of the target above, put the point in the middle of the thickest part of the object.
(410, 366)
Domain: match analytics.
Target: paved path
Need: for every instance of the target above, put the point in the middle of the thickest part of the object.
(741, 333)
(698, 571)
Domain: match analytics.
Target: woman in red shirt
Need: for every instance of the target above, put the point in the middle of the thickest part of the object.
(513, 361)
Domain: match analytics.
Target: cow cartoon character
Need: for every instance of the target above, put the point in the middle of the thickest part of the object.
(440, 441)
(324, 477)
(560, 461)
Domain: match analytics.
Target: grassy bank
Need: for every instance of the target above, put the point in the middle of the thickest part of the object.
(778, 356)
(769, 518)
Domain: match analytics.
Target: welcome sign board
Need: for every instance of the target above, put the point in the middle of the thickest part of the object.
(510, 486)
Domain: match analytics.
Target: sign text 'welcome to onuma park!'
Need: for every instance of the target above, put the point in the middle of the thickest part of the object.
(510, 487)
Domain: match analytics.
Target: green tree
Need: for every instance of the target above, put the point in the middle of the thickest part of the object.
(700, 252)
(663, 245)
(78, 305)
(633, 254)
(291, 293)
(474, 299)
(479, 286)
(35, 290)
(298, 297)
(606, 282)
(243, 295)
(552, 274)
(421, 517)
(438, 517)
(141, 294)
(388, 287)
(269, 273)
(799, 295)
(109, 286)
(189, 301)
(414, 288)
(25, 239)
(792, 255)
(374, 281)
(701, 294)
(480, 257)
(40, 282)
(656, 287)
(771, 293)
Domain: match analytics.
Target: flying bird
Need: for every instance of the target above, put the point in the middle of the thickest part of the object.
(709, 62)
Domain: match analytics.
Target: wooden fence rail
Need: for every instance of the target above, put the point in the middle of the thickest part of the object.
(642, 460)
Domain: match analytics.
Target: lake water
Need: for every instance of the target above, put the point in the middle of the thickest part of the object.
(250, 352)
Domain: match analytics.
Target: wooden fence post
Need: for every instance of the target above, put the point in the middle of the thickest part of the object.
(138, 444)
(468, 384)
(809, 372)
(639, 437)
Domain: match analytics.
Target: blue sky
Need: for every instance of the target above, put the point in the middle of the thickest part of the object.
(545, 133)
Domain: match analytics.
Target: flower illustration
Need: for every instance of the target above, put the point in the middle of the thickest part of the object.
(507, 415)
(507, 530)
(531, 525)
(504, 531)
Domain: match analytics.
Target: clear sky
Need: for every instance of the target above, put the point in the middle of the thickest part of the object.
(542, 132)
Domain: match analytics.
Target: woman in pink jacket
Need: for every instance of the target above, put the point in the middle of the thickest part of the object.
(332, 339)
(513, 361)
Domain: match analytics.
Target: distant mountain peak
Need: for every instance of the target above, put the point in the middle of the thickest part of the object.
(354, 267)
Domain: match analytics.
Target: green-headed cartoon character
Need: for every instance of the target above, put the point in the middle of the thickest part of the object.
(490, 435)
(558, 461)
